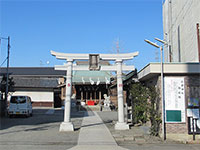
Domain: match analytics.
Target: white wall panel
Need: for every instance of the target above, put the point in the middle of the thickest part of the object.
(37, 96)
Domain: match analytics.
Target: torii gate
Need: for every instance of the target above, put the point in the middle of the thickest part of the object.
(67, 125)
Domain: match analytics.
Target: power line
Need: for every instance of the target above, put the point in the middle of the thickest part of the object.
(7, 74)
(4, 61)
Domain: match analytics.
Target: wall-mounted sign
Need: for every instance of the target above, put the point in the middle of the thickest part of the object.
(174, 99)
(194, 113)
(193, 125)
(193, 102)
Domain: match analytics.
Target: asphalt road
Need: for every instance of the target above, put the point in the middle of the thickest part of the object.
(39, 132)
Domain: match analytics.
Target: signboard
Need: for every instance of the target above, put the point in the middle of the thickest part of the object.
(189, 113)
(193, 102)
(193, 126)
(94, 62)
(193, 113)
(174, 99)
(173, 115)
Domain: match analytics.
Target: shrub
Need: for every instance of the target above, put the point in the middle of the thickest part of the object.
(145, 106)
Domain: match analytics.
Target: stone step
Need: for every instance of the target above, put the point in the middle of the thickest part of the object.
(92, 108)
(140, 140)
(137, 138)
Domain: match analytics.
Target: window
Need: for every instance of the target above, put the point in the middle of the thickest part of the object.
(13, 100)
(18, 99)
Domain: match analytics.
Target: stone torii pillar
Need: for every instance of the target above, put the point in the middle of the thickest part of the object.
(118, 67)
(120, 125)
(67, 124)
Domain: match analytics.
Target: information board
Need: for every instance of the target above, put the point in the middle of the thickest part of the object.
(173, 115)
(174, 99)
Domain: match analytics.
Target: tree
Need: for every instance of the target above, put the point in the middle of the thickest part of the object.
(3, 84)
(139, 97)
(145, 106)
(154, 113)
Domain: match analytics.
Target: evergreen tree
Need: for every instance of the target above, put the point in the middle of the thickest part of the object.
(3, 84)
(145, 106)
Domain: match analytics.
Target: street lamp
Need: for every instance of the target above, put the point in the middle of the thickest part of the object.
(162, 83)
(162, 41)
(7, 75)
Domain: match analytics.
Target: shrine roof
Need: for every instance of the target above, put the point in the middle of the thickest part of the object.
(85, 77)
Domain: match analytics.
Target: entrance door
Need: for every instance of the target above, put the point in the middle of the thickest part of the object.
(57, 99)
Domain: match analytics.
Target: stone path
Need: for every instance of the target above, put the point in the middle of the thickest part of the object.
(95, 135)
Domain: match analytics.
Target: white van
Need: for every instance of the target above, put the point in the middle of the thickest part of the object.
(20, 105)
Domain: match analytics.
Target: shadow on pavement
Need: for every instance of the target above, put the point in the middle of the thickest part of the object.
(39, 117)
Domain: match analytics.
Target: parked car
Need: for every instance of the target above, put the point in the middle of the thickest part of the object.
(20, 105)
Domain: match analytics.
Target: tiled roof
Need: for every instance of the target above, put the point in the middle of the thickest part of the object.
(36, 82)
(102, 76)
(33, 71)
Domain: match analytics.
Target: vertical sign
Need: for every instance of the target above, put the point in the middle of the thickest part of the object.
(174, 99)
(94, 62)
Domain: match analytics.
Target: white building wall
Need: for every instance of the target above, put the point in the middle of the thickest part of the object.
(182, 14)
(36, 96)
(165, 28)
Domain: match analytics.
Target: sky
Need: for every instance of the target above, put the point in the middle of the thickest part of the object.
(36, 27)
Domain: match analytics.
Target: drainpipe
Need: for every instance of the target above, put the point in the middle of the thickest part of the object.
(198, 40)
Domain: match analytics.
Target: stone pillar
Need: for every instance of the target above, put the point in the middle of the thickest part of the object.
(121, 124)
(86, 95)
(81, 95)
(99, 95)
(90, 95)
(67, 124)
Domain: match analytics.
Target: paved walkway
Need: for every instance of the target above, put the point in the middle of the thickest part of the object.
(95, 135)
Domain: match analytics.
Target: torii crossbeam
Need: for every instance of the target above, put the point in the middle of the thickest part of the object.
(67, 125)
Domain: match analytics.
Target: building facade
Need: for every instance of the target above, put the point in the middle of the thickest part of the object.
(88, 87)
(40, 83)
(181, 21)
(47, 86)
(181, 96)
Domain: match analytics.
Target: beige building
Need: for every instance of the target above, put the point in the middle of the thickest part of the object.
(181, 22)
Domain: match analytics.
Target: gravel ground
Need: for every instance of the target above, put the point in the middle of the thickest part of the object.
(138, 134)
(138, 138)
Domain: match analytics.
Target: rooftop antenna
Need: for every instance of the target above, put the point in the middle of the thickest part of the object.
(117, 46)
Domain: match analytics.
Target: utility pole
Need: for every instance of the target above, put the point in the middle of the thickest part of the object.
(7, 73)
(162, 83)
